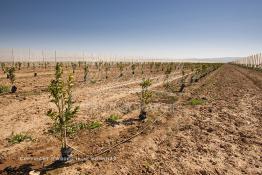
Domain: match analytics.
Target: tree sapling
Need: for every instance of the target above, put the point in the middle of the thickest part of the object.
(144, 98)
(10, 72)
(85, 72)
(61, 93)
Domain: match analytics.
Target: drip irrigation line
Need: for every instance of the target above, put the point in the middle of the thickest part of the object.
(116, 145)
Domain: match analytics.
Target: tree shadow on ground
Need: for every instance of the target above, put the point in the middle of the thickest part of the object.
(21, 170)
(26, 168)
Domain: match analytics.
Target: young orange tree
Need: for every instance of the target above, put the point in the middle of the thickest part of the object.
(145, 97)
(10, 72)
(133, 67)
(182, 81)
(85, 72)
(167, 74)
(107, 68)
(121, 68)
(73, 65)
(61, 94)
(3, 66)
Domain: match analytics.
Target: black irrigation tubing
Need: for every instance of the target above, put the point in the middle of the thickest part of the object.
(116, 145)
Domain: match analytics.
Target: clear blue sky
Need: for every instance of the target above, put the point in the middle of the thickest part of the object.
(161, 28)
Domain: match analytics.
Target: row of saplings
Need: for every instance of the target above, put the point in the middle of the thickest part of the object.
(201, 71)
(10, 71)
(61, 94)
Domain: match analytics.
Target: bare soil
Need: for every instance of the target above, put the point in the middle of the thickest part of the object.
(223, 135)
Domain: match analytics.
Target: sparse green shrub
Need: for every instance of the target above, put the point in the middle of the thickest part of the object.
(18, 138)
(196, 101)
(95, 124)
(4, 89)
(113, 120)
(93, 81)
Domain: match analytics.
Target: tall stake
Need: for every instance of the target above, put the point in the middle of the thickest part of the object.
(55, 56)
(13, 58)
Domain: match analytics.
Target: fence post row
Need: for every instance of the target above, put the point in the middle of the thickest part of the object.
(253, 61)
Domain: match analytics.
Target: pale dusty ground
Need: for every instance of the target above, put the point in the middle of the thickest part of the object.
(221, 136)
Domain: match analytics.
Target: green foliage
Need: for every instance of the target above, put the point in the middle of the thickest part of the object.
(146, 95)
(168, 71)
(183, 81)
(72, 129)
(95, 124)
(93, 81)
(18, 138)
(204, 67)
(3, 66)
(196, 101)
(10, 74)
(4, 89)
(157, 66)
(73, 65)
(96, 64)
(61, 93)
(19, 65)
(121, 68)
(113, 118)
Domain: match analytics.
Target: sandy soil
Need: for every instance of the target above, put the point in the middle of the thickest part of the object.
(221, 136)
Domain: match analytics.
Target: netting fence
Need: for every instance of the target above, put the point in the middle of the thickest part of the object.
(254, 61)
